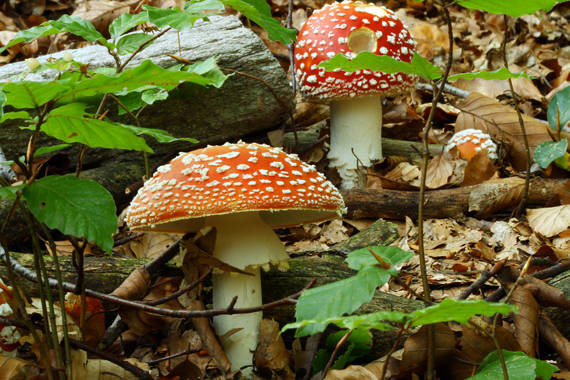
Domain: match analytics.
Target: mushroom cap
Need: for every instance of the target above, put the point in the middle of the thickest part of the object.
(349, 28)
(471, 141)
(233, 178)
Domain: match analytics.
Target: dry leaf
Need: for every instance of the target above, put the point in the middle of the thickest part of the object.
(94, 327)
(404, 172)
(502, 123)
(493, 88)
(479, 169)
(102, 12)
(271, 356)
(352, 372)
(549, 221)
(83, 368)
(14, 368)
(526, 319)
(438, 172)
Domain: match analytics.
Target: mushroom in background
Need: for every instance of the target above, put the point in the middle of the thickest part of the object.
(355, 98)
(244, 191)
(469, 142)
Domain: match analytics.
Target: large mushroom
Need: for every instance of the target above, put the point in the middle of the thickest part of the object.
(355, 98)
(244, 191)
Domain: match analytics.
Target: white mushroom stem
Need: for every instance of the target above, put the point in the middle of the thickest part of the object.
(244, 241)
(356, 139)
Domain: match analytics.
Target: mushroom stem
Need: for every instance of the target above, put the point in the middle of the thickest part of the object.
(356, 139)
(244, 241)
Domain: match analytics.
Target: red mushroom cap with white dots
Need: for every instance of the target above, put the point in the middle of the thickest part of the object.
(350, 28)
(233, 178)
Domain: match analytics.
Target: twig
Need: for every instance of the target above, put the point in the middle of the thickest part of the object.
(179, 292)
(485, 276)
(292, 299)
(173, 356)
(460, 93)
(430, 375)
(518, 210)
(335, 351)
(392, 350)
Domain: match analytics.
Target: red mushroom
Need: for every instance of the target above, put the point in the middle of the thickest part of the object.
(469, 142)
(355, 98)
(244, 191)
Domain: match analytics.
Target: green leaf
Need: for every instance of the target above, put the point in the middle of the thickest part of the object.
(50, 149)
(362, 257)
(519, 366)
(548, 151)
(502, 74)
(2, 102)
(131, 42)
(560, 104)
(126, 22)
(182, 19)
(14, 116)
(75, 206)
(27, 94)
(69, 124)
(376, 321)
(356, 346)
(9, 192)
(259, 12)
(369, 61)
(458, 311)
(158, 134)
(345, 296)
(144, 76)
(66, 23)
(515, 8)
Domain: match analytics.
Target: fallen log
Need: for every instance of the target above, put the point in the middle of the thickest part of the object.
(242, 106)
(481, 200)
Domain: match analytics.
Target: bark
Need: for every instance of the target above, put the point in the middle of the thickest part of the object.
(480, 200)
(241, 106)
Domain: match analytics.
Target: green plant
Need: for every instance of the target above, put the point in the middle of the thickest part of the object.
(558, 116)
(72, 109)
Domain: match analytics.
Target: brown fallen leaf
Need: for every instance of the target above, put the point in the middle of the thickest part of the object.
(414, 358)
(479, 169)
(549, 221)
(271, 357)
(15, 368)
(493, 88)
(526, 320)
(501, 122)
(439, 170)
(352, 372)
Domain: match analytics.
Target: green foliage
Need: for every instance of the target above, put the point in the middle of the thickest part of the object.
(513, 8)
(446, 311)
(345, 296)
(259, 12)
(75, 206)
(519, 366)
(549, 151)
(9, 192)
(502, 74)
(559, 109)
(69, 123)
(357, 346)
(369, 61)
(457, 311)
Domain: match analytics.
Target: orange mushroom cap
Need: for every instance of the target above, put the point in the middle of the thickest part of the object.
(233, 178)
(471, 141)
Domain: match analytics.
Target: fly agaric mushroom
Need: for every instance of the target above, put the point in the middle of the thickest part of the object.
(355, 98)
(471, 141)
(244, 191)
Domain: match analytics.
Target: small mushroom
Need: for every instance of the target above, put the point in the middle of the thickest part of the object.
(469, 142)
(244, 191)
(355, 98)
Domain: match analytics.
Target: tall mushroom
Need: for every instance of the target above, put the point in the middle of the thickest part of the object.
(244, 191)
(355, 98)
